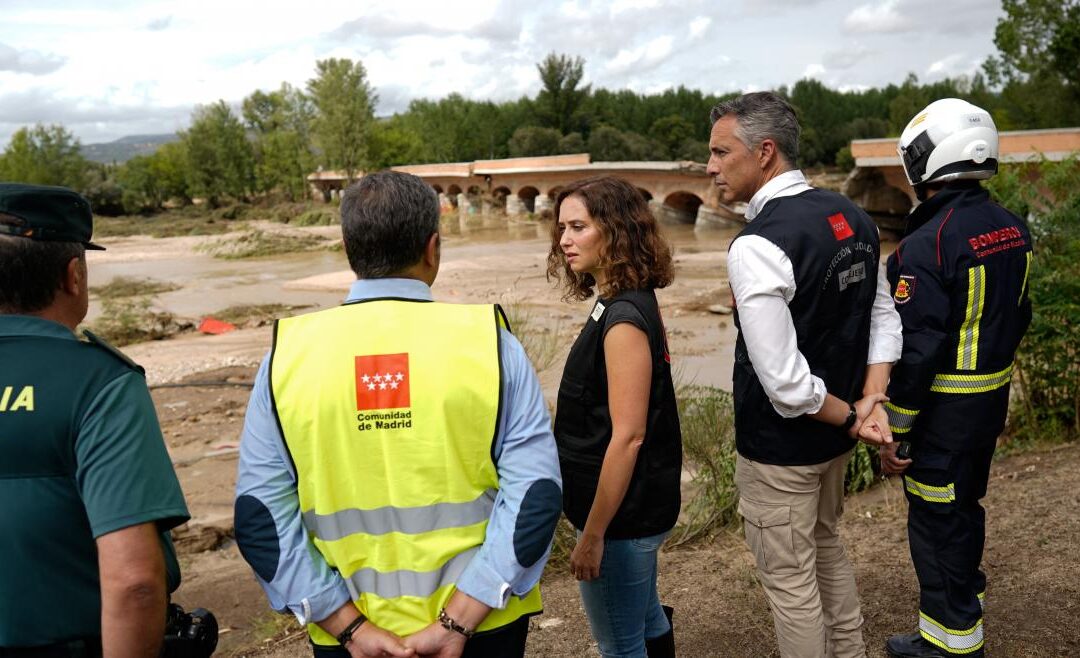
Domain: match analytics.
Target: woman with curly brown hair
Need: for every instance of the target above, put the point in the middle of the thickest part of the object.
(617, 425)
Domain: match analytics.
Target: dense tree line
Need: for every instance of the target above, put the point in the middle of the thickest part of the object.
(269, 144)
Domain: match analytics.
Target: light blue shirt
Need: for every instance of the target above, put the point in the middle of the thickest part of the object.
(525, 453)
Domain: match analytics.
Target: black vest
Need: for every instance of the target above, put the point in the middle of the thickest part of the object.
(833, 248)
(583, 429)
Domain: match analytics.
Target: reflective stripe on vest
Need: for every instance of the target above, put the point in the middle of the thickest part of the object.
(964, 641)
(1027, 270)
(967, 352)
(954, 383)
(389, 411)
(901, 420)
(929, 492)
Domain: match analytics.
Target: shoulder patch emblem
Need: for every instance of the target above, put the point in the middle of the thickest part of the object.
(905, 288)
(840, 228)
(597, 311)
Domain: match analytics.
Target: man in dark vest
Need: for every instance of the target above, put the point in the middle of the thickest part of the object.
(817, 337)
(86, 487)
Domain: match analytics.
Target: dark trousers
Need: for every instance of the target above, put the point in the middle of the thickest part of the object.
(505, 642)
(946, 533)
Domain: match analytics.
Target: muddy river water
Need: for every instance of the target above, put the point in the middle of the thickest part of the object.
(504, 263)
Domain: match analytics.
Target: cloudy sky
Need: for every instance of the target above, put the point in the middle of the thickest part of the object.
(140, 67)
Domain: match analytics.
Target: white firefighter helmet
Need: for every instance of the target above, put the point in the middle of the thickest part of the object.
(949, 140)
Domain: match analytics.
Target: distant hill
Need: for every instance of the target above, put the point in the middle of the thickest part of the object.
(126, 148)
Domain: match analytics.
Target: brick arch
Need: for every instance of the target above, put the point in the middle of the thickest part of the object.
(681, 207)
(528, 196)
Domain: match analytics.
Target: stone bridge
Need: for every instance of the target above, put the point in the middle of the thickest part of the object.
(878, 183)
(678, 192)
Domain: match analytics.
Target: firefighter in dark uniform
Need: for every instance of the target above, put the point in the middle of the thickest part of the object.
(87, 490)
(959, 281)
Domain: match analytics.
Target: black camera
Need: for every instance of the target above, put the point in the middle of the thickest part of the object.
(189, 634)
(903, 451)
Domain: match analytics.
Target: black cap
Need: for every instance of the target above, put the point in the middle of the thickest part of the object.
(45, 212)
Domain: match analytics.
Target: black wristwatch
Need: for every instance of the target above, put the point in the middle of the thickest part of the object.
(851, 417)
(345, 636)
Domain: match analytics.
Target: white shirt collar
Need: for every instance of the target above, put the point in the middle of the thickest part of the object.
(786, 184)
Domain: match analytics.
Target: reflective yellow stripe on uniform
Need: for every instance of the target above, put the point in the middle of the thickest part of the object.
(953, 383)
(929, 492)
(967, 352)
(1027, 270)
(954, 641)
(901, 420)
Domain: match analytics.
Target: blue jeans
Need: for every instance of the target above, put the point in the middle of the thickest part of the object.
(622, 604)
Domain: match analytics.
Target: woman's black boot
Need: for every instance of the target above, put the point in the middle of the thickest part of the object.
(663, 646)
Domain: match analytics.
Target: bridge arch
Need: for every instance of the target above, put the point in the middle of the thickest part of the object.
(680, 208)
(528, 196)
(452, 193)
(438, 188)
(499, 196)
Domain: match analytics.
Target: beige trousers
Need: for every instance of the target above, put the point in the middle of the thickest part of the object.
(790, 517)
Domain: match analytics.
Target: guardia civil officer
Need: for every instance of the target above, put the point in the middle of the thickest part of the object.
(86, 486)
(959, 281)
(817, 332)
(399, 482)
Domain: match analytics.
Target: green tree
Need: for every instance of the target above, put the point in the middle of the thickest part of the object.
(149, 181)
(456, 129)
(672, 131)
(559, 103)
(572, 143)
(102, 190)
(345, 110)
(44, 155)
(394, 143)
(1038, 61)
(611, 144)
(220, 159)
(281, 122)
(534, 140)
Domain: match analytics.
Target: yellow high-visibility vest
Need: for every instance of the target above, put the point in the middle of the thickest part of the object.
(389, 410)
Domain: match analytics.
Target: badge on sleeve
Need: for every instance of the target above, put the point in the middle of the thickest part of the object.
(905, 288)
(597, 311)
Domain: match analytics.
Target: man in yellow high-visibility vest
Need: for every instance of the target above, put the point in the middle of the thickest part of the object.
(398, 482)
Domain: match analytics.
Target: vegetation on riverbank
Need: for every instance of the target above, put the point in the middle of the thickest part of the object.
(1046, 400)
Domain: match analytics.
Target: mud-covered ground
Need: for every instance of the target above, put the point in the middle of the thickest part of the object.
(1033, 506)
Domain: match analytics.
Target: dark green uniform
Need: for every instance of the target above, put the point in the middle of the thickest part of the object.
(81, 455)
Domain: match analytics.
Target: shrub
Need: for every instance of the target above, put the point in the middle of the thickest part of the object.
(129, 286)
(708, 431)
(1047, 406)
(252, 244)
(316, 218)
(126, 320)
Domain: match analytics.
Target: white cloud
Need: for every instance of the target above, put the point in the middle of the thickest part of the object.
(847, 57)
(28, 61)
(953, 65)
(813, 71)
(136, 66)
(884, 17)
(159, 24)
(699, 26)
(642, 58)
(621, 6)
